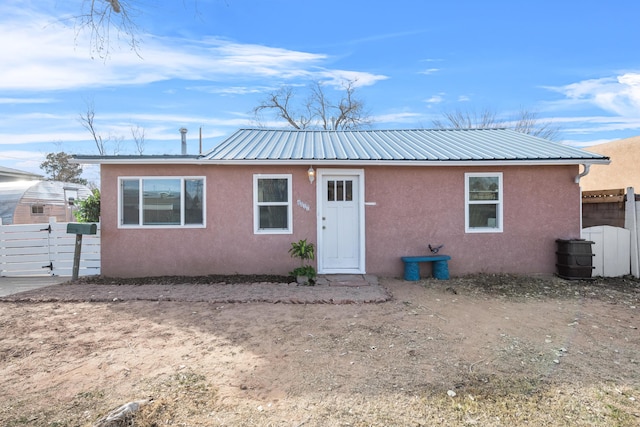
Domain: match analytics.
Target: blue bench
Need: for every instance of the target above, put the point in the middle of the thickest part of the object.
(412, 266)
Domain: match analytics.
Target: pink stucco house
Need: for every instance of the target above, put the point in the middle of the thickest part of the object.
(496, 199)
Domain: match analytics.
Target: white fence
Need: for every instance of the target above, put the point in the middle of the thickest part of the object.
(611, 250)
(616, 250)
(46, 250)
(632, 223)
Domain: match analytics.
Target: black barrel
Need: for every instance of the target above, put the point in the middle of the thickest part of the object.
(575, 259)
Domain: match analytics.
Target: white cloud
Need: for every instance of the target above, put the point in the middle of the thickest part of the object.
(619, 95)
(34, 137)
(232, 90)
(402, 117)
(26, 100)
(21, 155)
(577, 128)
(42, 56)
(338, 78)
(593, 124)
(160, 127)
(430, 71)
(435, 99)
(47, 62)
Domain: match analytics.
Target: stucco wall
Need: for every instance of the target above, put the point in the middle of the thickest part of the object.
(541, 204)
(226, 246)
(414, 206)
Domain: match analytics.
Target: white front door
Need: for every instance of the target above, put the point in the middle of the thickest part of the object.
(340, 221)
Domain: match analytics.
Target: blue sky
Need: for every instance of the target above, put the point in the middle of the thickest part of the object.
(207, 63)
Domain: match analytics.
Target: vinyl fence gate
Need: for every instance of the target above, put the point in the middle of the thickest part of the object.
(45, 250)
(616, 249)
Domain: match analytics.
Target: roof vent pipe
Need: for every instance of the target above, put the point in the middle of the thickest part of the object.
(183, 134)
(585, 172)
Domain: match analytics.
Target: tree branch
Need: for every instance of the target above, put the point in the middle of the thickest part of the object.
(320, 112)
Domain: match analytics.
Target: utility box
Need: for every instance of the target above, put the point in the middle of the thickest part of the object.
(82, 228)
(575, 259)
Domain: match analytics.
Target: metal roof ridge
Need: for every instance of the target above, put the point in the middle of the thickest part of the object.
(309, 130)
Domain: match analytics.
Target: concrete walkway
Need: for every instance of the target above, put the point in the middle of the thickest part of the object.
(13, 285)
(330, 289)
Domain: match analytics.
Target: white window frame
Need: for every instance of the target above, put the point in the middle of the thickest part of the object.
(257, 205)
(182, 202)
(499, 203)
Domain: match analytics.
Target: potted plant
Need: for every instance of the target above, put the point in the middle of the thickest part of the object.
(306, 273)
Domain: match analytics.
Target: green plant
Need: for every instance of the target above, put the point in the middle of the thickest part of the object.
(305, 271)
(88, 210)
(305, 251)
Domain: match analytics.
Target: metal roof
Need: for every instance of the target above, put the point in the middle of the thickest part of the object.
(406, 147)
(382, 146)
(142, 157)
(9, 174)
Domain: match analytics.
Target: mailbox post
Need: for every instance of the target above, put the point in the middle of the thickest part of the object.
(79, 229)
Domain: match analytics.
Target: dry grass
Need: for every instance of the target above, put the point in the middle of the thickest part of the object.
(409, 362)
(487, 402)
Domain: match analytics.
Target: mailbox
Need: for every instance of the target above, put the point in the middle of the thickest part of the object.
(82, 228)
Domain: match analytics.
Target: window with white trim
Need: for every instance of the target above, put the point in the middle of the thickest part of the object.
(272, 204)
(161, 202)
(483, 202)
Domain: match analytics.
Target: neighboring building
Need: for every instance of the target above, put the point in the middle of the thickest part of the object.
(34, 202)
(8, 174)
(624, 170)
(495, 198)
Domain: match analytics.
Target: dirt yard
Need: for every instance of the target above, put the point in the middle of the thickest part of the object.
(483, 350)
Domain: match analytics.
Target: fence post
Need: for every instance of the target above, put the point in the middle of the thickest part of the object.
(631, 223)
(2, 258)
(76, 257)
(54, 250)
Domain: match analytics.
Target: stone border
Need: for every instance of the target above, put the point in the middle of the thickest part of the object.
(329, 290)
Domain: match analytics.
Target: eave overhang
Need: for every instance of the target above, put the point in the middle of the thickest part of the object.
(162, 160)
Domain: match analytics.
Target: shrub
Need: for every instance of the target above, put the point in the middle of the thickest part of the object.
(88, 210)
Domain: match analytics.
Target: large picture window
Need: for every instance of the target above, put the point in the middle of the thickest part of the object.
(272, 204)
(162, 202)
(483, 194)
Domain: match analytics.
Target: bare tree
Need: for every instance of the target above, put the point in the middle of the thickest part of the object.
(528, 122)
(87, 120)
(319, 111)
(116, 142)
(351, 110)
(459, 119)
(137, 133)
(279, 101)
(104, 17)
(525, 121)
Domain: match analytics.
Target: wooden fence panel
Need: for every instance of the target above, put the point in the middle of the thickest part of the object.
(603, 207)
(46, 249)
